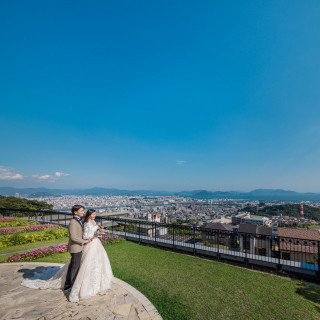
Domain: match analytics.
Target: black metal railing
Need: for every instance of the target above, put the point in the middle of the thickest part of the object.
(283, 253)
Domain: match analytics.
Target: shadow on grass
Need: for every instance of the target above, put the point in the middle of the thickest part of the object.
(310, 292)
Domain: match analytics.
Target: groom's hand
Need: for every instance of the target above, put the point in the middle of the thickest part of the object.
(89, 240)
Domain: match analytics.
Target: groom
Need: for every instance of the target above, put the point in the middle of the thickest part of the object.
(75, 245)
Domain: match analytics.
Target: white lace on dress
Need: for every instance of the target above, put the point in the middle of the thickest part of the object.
(89, 229)
(95, 273)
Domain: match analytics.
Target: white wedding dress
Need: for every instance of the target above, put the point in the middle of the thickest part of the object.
(94, 276)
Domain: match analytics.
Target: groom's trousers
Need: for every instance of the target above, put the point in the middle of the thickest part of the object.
(73, 270)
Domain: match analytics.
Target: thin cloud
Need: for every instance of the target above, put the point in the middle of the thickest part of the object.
(62, 174)
(7, 173)
(49, 177)
(180, 162)
(45, 177)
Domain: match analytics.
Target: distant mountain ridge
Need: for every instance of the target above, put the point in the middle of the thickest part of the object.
(257, 194)
(11, 191)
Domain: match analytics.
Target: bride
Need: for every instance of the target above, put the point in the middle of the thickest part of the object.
(95, 273)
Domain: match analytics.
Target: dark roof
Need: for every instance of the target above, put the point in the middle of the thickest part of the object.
(248, 228)
(220, 226)
(267, 231)
(255, 229)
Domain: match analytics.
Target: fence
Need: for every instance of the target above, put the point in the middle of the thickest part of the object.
(292, 255)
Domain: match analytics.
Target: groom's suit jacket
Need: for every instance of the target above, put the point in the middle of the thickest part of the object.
(76, 242)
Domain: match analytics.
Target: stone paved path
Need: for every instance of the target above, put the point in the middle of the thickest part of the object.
(121, 302)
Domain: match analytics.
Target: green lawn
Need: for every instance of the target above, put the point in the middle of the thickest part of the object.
(184, 287)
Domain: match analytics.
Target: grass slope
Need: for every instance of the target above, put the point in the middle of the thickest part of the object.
(184, 287)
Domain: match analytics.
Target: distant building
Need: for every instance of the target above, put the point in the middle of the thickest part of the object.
(255, 239)
(260, 220)
(239, 218)
(153, 217)
(253, 219)
(115, 214)
(220, 233)
(299, 244)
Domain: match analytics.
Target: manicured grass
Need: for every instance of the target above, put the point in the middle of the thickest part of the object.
(184, 287)
(32, 245)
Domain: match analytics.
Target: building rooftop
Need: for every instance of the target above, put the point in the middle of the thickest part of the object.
(299, 233)
(255, 217)
(255, 229)
(220, 226)
(110, 214)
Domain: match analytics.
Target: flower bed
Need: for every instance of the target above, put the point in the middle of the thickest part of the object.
(110, 239)
(15, 222)
(22, 238)
(29, 228)
(58, 248)
(37, 253)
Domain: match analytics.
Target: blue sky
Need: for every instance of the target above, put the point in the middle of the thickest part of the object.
(170, 95)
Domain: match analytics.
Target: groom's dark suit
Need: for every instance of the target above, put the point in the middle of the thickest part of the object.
(75, 247)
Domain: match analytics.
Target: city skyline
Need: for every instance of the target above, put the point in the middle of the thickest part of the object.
(160, 96)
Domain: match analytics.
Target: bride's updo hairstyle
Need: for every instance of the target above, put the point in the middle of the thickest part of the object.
(88, 214)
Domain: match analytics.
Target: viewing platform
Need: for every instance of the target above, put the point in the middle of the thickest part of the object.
(121, 302)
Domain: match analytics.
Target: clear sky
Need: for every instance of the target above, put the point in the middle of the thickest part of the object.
(162, 95)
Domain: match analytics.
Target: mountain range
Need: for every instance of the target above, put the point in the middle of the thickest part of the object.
(257, 194)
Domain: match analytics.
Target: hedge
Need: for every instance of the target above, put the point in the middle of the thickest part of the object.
(22, 238)
(14, 222)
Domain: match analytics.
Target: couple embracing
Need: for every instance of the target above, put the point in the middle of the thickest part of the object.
(88, 272)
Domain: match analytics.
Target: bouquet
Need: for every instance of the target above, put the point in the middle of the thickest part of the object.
(98, 233)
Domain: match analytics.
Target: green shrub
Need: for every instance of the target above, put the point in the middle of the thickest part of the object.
(17, 223)
(22, 238)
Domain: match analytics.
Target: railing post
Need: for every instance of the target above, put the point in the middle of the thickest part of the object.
(139, 232)
(125, 228)
(173, 227)
(155, 234)
(194, 240)
(318, 258)
(218, 239)
(245, 246)
(279, 263)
